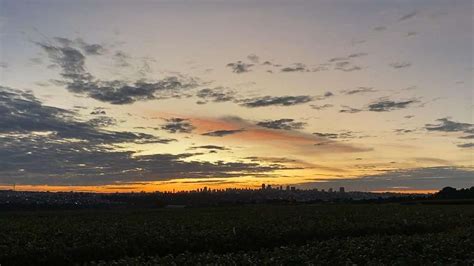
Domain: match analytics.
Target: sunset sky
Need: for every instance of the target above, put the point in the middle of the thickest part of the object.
(162, 95)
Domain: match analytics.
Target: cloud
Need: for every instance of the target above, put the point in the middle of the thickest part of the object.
(121, 59)
(342, 135)
(384, 105)
(425, 178)
(297, 67)
(44, 145)
(282, 124)
(249, 132)
(79, 81)
(356, 55)
(447, 125)
(98, 111)
(399, 65)
(346, 66)
(275, 101)
(408, 16)
(401, 131)
(327, 135)
(222, 133)
(210, 147)
(466, 145)
(253, 58)
(350, 110)
(240, 67)
(218, 94)
(103, 121)
(178, 125)
(91, 48)
(326, 95)
(321, 107)
(359, 90)
(22, 113)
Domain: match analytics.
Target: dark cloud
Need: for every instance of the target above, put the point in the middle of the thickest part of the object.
(91, 49)
(426, 178)
(327, 135)
(275, 101)
(22, 113)
(408, 16)
(466, 145)
(79, 81)
(401, 131)
(210, 147)
(298, 67)
(240, 67)
(43, 145)
(399, 65)
(350, 110)
(384, 105)
(98, 111)
(447, 125)
(321, 107)
(222, 133)
(178, 125)
(380, 28)
(359, 90)
(218, 94)
(103, 121)
(282, 124)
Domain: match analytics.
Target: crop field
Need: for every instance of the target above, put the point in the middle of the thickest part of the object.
(340, 234)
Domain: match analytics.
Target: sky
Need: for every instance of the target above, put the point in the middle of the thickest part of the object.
(175, 95)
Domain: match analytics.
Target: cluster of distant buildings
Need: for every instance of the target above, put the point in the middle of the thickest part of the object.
(290, 188)
(10, 199)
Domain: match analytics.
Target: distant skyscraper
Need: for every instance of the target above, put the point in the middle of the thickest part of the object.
(287, 188)
(330, 190)
(269, 186)
(263, 186)
(342, 189)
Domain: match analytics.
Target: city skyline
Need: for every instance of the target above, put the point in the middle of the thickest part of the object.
(160, 95)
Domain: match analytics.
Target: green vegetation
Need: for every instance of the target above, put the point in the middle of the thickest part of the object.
(258, 234)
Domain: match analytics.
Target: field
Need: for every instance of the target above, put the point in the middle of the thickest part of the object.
(337, 234)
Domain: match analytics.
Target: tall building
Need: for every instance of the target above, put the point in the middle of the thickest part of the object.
(330, 190)
(342, 189)
(287, 188)
(263, 186)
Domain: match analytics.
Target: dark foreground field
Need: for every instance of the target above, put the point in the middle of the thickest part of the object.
(246, 235)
